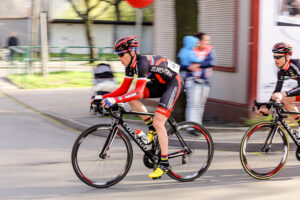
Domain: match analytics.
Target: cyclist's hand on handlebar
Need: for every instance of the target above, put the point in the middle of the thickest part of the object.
(108, 102)
(278, 96)
(95, 98)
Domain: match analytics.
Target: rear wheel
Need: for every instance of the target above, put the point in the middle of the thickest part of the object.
(97, 170)
(260, 158)
(191, 161)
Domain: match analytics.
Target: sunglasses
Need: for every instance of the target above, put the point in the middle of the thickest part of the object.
(278, 57)
(121, 54)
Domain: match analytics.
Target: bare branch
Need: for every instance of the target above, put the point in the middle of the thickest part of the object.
(107, 1)
(93, 7)
(76, 10)
(101, 12)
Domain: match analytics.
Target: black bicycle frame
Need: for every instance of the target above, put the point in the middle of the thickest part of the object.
(118, 120)
(280, 118)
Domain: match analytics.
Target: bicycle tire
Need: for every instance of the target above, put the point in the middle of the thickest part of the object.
(257, 162)
(190, 166)
(95, 171)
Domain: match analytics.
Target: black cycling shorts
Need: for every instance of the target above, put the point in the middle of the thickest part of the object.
(168, 94)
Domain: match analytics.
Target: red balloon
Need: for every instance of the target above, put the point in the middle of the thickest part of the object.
(140, 3)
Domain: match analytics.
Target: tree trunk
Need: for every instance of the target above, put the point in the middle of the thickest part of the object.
(117, 7)
(186, 24)
(90, 38)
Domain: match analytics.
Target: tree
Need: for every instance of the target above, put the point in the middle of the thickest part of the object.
(84, 9)
(186, 24)
(116, 4)
(90, 10)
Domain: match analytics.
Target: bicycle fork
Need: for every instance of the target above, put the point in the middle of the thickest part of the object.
(267, 146)
(109, 140)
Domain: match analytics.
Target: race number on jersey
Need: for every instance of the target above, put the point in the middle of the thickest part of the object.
(173, 66)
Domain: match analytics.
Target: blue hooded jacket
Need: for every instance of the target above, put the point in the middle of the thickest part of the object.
(186, 54)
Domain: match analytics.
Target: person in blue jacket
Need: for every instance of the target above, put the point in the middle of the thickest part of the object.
(197, 57)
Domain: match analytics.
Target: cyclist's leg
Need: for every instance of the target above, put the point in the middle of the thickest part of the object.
(163, 111)
(288, 105)
(150, 91)
(159, 124)
(138, 106)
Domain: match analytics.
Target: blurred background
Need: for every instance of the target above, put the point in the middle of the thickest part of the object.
(62, 40)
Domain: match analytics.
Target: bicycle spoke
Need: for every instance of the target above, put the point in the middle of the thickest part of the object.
(103, 171)
(262, 160)
(191, 157)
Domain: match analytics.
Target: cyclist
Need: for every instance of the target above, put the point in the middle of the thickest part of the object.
(165, 83)
(290, 68)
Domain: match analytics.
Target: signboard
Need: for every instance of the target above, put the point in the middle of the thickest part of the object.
(273, 28)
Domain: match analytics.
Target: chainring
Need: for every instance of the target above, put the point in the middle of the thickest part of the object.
(147, 161)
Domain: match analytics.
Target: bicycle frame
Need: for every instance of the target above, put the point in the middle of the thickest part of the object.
(280, 118)
(118, 120)
(288, 128)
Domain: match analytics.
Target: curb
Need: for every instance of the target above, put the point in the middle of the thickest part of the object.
(66, 122)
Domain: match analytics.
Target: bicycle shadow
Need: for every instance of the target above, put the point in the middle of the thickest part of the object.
(133, 182)
(212, 178)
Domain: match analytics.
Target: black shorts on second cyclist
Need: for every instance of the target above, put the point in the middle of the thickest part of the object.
(168, 94)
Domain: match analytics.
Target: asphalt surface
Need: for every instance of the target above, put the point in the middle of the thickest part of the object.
(35, 164)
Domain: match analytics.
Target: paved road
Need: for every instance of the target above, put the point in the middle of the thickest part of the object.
(35, 164)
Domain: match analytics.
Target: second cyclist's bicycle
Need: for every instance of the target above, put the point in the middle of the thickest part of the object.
(102, 155)
(265, 146)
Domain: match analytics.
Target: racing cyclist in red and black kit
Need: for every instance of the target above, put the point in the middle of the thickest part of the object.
(165, 82)
(289, 68)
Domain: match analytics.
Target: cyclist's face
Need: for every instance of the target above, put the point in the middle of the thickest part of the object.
(279, 59)
(124, 58)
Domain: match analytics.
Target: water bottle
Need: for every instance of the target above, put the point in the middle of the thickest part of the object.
(143, 136)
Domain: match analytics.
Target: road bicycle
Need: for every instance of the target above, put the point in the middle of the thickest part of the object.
(265, 146)
(102, 155)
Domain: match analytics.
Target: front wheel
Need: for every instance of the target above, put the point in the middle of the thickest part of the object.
(101, 170)
(191, 157)
(261, 156)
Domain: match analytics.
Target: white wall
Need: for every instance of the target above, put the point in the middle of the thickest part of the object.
(233, 86)
(269, 34)
(66, 34)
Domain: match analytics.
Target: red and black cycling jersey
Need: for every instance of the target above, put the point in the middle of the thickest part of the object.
(153, 67)
(156, 68)
(293, 72)
(165, 82)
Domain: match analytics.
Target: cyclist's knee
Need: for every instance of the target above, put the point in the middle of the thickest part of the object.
(288, 100)
(134, 102)
(159, 121)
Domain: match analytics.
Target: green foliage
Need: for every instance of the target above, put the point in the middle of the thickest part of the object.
(250, 121)
(54, 80)
(58, 79)
(256, 119)
(64, 10)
